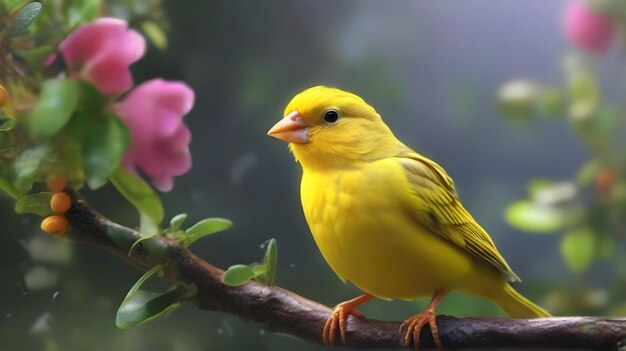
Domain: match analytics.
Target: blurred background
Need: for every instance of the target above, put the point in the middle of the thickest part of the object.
(487, 89)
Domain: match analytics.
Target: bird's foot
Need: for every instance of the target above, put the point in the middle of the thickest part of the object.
(338, 320)
(415, 325)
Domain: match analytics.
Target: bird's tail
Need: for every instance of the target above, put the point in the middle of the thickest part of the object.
(517, 306)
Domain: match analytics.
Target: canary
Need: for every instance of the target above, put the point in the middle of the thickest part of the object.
(386, 218)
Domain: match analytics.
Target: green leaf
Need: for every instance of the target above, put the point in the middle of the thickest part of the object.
(140, 306)
(177, 221)
(551, 103)
(91, 101)
(147, 226)
(142, 280)
(6, 123)
(145, 306)
(527, 215)
(103, 147)
(82, 12)
(259, 270)
(537, 185)
(605, 247)
(25, 17)
(584, 94)
(155, 34)
(238, 275)
(138, 241)
(203, 228)
(588, 172)
(7, 141)
(54, 107)
(26, 167)
(138, 193)
(9, 188)
(12, 4)
(271, 258)
(516, 99)
(38, 204)
(555, 194)
(577, 248)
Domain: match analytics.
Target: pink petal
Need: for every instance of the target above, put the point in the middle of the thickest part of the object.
(102, 52)
(88, 39)
(133, 48)
(153, 112)
(109, 76)
(588, 30)
(168, 123)
(165, 184)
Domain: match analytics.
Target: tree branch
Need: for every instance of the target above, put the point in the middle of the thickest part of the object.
(287, 312)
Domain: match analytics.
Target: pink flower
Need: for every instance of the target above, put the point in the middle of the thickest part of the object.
(586, 29)
(160, 140)
(101, 53)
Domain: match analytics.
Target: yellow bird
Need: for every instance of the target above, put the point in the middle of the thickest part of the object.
(386, 218)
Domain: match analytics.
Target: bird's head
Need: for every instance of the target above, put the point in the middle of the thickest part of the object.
(328, 128)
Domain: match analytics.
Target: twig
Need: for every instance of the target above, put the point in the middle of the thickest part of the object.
(281, 310)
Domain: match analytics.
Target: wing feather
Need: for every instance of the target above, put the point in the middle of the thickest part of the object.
(439, 209)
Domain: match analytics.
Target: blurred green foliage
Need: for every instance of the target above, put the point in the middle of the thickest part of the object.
(589, 208)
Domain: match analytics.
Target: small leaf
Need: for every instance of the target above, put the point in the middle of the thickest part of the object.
(26, 167)
(9, 188)
(528, 216)
(177, 221)
(142, 280)
(605, 247)
(54, 107)
(6, 123)
(140, 306)
(258, 269)
(551, 103)
(82, 12)
(7, 141)
(271, 258)
(143, 237)
(145, 306)
(205, 227)
(155, 34)
(577, 248)
(238, 275)
(38, 204)
(558, 193)
(538, 185)
(138, 193)
(25, 17)
(584, 94)
(103, 147)
(516, 99)
(91, 101)
(588, 172)
(147, 225)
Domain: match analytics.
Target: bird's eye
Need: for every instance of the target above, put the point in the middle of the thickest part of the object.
(331, 116)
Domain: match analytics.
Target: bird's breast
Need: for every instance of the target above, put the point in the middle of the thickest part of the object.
(363, 229)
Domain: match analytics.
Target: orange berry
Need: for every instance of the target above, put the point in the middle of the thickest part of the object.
(3, 95)
(60, 203)
(55, 225)
(605, 181)
(57, 183)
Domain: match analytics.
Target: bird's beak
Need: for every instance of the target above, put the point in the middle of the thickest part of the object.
(291, 129)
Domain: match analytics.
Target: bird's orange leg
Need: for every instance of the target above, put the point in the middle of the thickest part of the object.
(339, 319)
(417, 322)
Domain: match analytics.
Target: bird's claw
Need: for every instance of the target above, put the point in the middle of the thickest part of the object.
(415, 325)
(339, 318)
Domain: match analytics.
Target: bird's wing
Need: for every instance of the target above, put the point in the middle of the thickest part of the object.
(437, 207)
